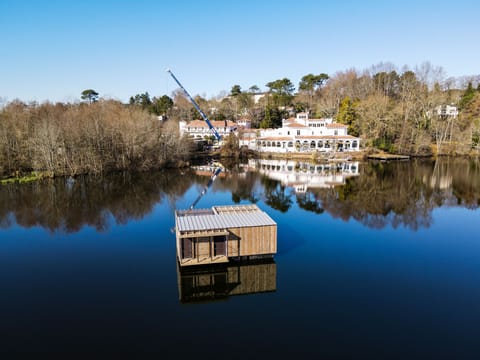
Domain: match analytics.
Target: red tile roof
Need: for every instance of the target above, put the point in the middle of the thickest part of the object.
(271, 138)
(295, 125)
(336, 125)
(215, 123)
(327, 137)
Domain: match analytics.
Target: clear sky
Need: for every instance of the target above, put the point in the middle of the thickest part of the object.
(54, 49)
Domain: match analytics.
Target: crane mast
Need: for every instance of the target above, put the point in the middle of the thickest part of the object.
(204, 116)
(218, 169)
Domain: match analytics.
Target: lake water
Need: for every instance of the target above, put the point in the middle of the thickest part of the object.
(374, 259)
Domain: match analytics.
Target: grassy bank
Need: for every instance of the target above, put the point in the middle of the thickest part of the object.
(21, 179)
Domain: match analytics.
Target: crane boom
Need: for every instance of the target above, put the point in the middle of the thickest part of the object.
(204, 116)
(214, 175)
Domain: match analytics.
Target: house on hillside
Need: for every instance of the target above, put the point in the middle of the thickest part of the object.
(446, 111)
(199, 130)
(303, 134)
(244, 123)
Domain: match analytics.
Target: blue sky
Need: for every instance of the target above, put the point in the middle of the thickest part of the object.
(52, 50)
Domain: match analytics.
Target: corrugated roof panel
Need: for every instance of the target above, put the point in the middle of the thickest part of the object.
(223, 221)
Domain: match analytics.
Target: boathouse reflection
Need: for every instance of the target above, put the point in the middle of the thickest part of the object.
(220, 281)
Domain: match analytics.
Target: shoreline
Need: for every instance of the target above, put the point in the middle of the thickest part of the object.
(364, 155)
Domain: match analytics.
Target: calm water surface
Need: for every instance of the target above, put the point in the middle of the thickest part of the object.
(374, 259)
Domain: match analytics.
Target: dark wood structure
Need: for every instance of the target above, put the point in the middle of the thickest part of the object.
(208, 236)
(220, 281)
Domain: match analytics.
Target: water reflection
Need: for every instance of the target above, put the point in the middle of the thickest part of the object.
(302, 176)
(211, 283)
(376, 194)
(68, 204)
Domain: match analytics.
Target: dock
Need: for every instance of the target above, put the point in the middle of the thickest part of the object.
(216, 235)
(388, 157)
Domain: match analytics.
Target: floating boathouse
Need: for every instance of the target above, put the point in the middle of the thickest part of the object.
(216, 235)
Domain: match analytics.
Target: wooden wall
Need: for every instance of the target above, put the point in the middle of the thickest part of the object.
(260, 240)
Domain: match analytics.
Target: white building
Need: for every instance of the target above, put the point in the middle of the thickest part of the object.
(199, 130)
(302, 134)
(244, 122)
(446, 111)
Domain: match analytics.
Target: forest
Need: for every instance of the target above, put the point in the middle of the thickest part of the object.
(391, 109)
(97, 137)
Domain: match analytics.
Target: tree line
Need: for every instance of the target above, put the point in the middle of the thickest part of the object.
(391, 109)
(94, 137)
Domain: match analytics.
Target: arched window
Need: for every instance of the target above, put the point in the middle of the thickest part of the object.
(354, 144)
(312, 145)
(320, 144)
(269, 143)
(279, 144)
(290, 144)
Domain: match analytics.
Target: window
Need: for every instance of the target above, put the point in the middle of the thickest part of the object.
(335, 132)
(288, 132)
(219, 245)
(186, 248)
(290, 144)
(298, 132)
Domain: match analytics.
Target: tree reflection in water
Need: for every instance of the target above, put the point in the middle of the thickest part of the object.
(68, 204)
(277, 196)
(388, 193)
(384, 194)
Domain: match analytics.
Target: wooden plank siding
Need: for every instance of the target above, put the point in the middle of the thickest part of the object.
(207, 239)
(261, 240)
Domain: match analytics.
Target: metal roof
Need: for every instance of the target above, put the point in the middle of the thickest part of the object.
(223, 221)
